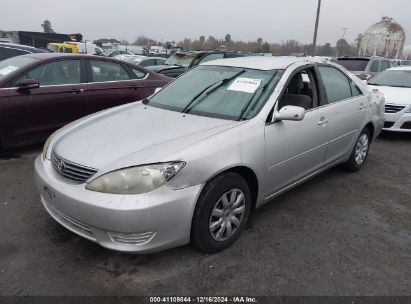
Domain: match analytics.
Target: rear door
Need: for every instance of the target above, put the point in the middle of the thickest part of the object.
(60, 99)
(112, 84)
(346, 111)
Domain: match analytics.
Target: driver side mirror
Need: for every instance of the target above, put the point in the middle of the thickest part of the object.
(28, 84)
(290, 113)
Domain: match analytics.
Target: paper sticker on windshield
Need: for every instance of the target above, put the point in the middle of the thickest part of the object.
(7, 70)
(247, 85)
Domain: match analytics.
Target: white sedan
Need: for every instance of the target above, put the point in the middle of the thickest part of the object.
(395, 84)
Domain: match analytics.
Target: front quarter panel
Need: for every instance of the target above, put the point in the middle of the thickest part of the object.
(243, 145)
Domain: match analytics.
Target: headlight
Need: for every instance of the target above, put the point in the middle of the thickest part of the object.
(46, 146)
(136, 180)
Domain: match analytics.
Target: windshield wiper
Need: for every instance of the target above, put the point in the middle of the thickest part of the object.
(253, 97)
(207, 90)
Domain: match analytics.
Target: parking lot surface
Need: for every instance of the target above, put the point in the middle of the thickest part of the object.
(339, 234)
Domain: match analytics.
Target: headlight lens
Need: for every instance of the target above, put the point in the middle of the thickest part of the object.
(46, 146)
(136, 180)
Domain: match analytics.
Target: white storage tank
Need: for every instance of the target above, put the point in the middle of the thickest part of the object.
(385, 38)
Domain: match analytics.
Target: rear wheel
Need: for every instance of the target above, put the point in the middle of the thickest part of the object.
(221, 213)
(360, 151)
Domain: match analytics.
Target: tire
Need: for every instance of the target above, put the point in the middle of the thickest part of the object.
(360, 151)
(213, 212)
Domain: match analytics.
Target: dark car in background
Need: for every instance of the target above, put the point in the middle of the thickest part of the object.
(365, 67)
(181, 62)
(8, 50)
(40, 93)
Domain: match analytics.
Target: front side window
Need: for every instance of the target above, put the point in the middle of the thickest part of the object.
(14, 64)
(55, 73)
(107, 71)
(337, 86)
(215, 91)
(392, 78)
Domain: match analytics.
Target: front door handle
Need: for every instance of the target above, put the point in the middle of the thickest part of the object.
(323, 121)
(76, 91)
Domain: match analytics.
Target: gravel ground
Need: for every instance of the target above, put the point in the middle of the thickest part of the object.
(339, 234)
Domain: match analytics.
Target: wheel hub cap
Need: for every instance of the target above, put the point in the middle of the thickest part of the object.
(227, 215)
(361, 149)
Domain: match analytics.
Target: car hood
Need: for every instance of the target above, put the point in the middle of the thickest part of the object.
(401, 96)
(134, 134)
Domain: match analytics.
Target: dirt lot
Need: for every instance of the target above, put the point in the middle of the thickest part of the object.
(339, 234)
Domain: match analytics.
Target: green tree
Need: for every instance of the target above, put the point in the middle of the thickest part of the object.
(46, 25)
(342, 47)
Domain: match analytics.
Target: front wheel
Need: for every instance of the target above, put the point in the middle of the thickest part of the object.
(221, 213)
(360, 151)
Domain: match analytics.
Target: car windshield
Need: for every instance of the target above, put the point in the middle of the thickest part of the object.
(10, 65)
(353, 64)
(392, 78)
(180, 59)
(221, 92)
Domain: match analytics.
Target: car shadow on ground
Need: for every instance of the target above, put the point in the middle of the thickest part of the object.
(20, 152)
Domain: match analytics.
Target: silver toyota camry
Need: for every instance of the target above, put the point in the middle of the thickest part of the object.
(190, 163)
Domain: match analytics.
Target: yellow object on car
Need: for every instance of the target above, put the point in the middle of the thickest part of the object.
(62, 48)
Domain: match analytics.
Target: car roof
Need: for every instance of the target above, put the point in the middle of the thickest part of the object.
(22, 47)
(44, 56)
(402, 68)
(264, 63)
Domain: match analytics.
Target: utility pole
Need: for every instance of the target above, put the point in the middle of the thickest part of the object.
(345, 29)
(316, 26)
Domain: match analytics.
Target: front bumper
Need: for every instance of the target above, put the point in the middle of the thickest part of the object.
(141, 223)
(398, 122)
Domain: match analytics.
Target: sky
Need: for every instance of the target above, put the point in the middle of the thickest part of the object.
(167, 20)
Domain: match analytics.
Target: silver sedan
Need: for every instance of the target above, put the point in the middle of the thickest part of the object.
(190, 163)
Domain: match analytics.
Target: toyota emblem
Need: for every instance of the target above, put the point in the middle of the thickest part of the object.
(61, 166)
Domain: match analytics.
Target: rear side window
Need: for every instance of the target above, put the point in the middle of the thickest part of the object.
(375, 66)
(385, 65)
(107, 71)
(139, 74)
(8, 53)
(337, 85)
(354, 64)
(212, 57)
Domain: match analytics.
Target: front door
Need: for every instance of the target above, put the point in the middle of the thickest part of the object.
(296, 149)
(60, 99)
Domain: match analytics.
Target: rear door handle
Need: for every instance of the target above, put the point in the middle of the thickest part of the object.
(323, 121)
(361, 107)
